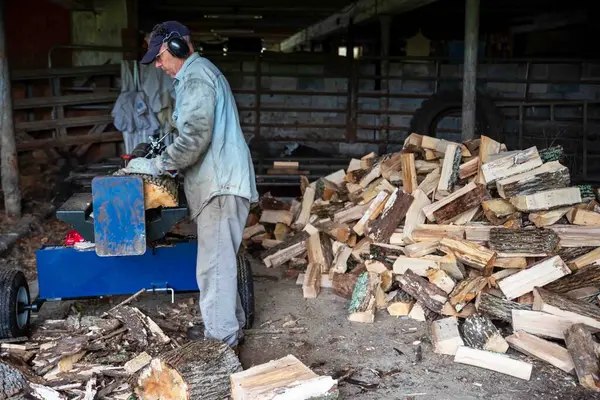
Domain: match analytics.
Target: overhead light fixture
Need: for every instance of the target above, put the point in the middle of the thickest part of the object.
(232, 16)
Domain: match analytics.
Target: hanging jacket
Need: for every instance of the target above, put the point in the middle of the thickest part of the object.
(210, 150)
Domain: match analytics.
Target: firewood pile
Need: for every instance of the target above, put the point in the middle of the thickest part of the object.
(466, 236)
(123, 354)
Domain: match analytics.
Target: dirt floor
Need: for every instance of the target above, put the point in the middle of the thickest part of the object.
(380, 360)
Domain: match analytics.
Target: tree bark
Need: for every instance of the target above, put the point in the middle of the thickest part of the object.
(343, 284)
(197, 370)
(497, 308)
(533, 241)
(582, 348)
(396, 208)
(480, 333)
(12, 380)
(8, 153)
(426, 293)
(586, 276)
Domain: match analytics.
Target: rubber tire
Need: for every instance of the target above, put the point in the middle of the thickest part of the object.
(489, 118)
(11, 280)
(246, 289)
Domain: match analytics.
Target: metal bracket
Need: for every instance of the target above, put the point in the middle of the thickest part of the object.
(165, 289)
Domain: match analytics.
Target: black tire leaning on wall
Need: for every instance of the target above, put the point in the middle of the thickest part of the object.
(489, 118)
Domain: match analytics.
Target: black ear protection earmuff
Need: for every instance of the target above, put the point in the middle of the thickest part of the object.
(176, 45)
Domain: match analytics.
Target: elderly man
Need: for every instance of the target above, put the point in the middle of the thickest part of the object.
(212, 155)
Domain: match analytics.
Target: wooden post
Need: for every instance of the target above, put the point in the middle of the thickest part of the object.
(470, 69)
(8, 154)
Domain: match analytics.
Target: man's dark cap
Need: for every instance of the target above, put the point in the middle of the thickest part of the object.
(158, 35)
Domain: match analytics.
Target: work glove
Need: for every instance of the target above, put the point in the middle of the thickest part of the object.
(142, 165)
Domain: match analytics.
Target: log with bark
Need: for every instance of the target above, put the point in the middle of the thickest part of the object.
(546, 200)
(479, 332)
(584, 277)
(538, 242)
(510, 165)
(497, 307)
(198, 369)
(450, 168)
(548, 176)
(562, 306)
(362, 303)
(423, 291)
(539, 274)
(381, 229)
(583, 350)
(445, 336)
(343, 284)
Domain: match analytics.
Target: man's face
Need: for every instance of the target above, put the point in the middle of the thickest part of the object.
(167, 62)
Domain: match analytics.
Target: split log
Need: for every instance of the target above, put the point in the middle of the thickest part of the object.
(283, 378)
(547, 218)
(540, 323)
(450, 167)
(419, 266)
(340, 261)
(15, 377)
(337, 231)
(469, 168)
(429, 210)
(372, 212)
(421, 249)
(353, 213)
(540, 242)
(415, 215)
(426, 293)
(318, 247)
(275, 217)
(593, 257)
(426, 167)
(455, 205)
(494, 362)
(312, 281)
(373, 174)
(549, 176)
(470, 253)
(478, 232)
(547, 200)
(362, 303)
(510, 165)
(568, 254)
(562, 306)
(198, 369)
(343, 284)
(445, 336)
(391, 166)
(577, 236)
(441, 279)
(409, 172)
(584, 218)
(393, 213)
(285, 251)
(539, 274)
(434, 233)
(498, 211)
(281, 232)
(307, 203)
(544, 350)
(162, 191)
(466, 290)
(511, 262)
(431, 181)
(583, 351)
(137, 363)
(325, 189)
(399, 303)
(253, 230)
(487, 147)
(479, 332)
(586, 276)
(498, 308)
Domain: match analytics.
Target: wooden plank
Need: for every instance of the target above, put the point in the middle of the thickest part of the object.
(494, 362)
(540, 323)
(409, 172)
(67, 100)
(105, 137)
(72, 122)
(510, 165)
(445, 336)
(562, 306)
(544, 350)
(551, 175)
(547, 200)
(539, 274)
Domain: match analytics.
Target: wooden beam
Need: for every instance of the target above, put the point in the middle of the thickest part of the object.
(48, 124)
(357, 12)
(105, 137)
(8, 154)
(68, 100)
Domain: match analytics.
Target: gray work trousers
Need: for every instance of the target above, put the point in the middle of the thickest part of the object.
(220, 228)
